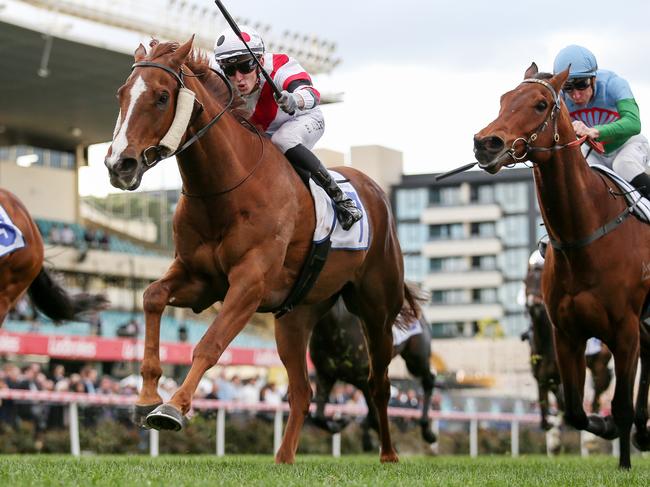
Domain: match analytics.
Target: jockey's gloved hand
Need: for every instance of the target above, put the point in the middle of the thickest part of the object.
(288, 102)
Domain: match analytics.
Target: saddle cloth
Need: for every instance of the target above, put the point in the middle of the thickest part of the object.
(11, 238)
(400, 335)
(642, 209)
(358, 237)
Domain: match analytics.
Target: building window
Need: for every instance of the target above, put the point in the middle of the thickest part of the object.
(511, 296)
(513, 197)
(448, 264)
(449, 196)
(415, 267)
(513, 230)
(411, 202)
(484, 296)
(412, 236)
(446, 231)
(484, 262)
(513, 263)
(483, 229)
(482, 194)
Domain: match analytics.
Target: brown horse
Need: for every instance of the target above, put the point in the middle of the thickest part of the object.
(22, 269)
(242, 230)
(594, 284)
(338, 351)
(542, 352)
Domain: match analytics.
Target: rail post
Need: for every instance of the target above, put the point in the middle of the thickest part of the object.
(473, 437)
(154, 442)
(277, 430)
(221, 432)
(75, 448)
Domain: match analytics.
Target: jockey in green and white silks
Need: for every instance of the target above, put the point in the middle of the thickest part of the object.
(603, 107)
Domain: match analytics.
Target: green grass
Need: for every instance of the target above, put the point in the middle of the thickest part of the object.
(319, 470)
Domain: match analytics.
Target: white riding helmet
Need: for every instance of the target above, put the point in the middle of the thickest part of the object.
(229, 45)
(536, 259)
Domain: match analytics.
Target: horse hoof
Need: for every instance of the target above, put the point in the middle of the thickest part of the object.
(166, 417)
(139, 414)
(389, 457)
(641, 441)
(603, 427)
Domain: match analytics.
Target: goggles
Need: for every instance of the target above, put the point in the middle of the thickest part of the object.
(579, 84)
(244, 67)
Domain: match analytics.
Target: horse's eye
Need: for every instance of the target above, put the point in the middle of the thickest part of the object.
(541, 106)
(163, 99)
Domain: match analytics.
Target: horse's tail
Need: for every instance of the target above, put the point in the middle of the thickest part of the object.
(50, 298)
(411, 308)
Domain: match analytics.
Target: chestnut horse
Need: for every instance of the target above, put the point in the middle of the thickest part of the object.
(594, 284)
(22, 270)
(338, 351)
(542, 353)
(243, 228)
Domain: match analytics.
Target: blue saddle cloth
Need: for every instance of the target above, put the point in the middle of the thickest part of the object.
(11, 238)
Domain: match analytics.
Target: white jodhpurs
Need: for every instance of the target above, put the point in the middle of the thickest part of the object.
(305, 129)
(629, 160)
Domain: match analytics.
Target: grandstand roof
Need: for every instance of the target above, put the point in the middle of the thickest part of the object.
(75, 104)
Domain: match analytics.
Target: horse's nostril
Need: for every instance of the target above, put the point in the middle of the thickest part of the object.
(494, 143)
(126, 165)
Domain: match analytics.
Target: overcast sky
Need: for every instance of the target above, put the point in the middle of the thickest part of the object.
(423, 76)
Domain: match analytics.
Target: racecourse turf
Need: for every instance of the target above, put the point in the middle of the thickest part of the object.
(246, 470)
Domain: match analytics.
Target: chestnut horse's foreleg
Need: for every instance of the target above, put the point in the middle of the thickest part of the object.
(626, 357)
(571, 362)
(378, 311)
(176, 288)
(242, 299)
(292, 336)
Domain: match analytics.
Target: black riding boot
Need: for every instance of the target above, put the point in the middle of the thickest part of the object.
(347, 211)
(642, 184)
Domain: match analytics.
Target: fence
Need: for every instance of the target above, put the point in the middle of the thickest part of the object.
(222, 407)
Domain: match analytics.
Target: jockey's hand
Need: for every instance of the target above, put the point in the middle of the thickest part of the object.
(581, 129)
(289, 102)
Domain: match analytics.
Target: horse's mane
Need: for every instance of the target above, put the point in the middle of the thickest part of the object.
(199, 64)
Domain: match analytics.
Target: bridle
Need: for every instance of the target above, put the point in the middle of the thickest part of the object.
(552, 116)
(555, 109)
(158, 150)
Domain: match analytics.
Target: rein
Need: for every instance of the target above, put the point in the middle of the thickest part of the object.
(160, 150)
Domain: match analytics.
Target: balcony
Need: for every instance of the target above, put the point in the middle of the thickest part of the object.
(473, 279)
(438, 215)
(446, 313)
(462, 247)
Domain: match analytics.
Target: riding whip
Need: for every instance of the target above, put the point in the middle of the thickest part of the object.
(237, 31)
(455, 171)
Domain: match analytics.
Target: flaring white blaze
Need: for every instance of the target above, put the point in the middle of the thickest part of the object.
(120, 141)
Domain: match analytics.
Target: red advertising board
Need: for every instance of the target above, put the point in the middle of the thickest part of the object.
(121, 350)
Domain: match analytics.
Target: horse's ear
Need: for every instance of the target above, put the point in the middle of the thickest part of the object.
(139, 53)
(558, 80)
(180, 55)
(531, 71)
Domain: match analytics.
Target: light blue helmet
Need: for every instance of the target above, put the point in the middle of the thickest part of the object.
(582, 60)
